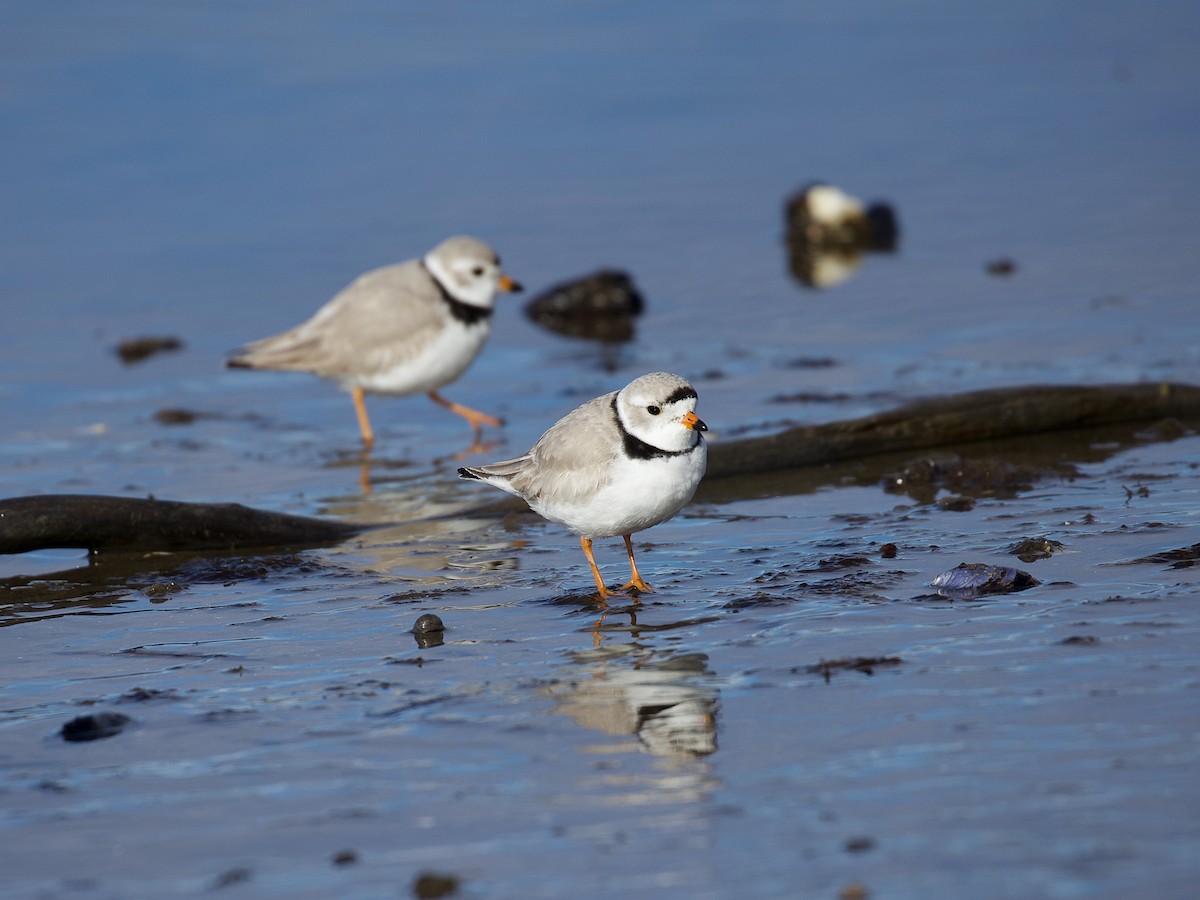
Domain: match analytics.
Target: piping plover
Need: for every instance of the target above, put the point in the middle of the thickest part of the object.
(402, 329)
(615, 465)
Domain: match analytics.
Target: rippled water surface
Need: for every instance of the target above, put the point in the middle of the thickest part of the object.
(792, 712)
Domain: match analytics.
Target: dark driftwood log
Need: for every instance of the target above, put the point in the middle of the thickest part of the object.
(118, 523)
(129, 523)
(961, 419)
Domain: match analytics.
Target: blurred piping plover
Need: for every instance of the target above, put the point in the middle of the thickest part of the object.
(401, 329)
(617, 464)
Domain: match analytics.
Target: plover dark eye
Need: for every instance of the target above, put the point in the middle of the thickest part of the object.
(477, 271)
(653, 410)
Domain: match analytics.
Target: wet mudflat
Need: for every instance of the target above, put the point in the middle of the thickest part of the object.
(795, 711)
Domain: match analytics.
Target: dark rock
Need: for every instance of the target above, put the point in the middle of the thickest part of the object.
(171, 416)
(1031, 549)
(427, 623)
(884, 227)
(973, 579)
(134, 350)
(428, 631)
(600, 306)
(95, 726)
(162, 589)
(860, 844)
(432, 885)
(812, 362)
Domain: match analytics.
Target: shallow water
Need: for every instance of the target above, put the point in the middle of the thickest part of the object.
(215, 172)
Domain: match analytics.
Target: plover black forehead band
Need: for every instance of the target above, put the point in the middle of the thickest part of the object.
(682, 393)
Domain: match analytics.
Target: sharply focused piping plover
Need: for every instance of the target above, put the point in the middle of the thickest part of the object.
(615, 465)
(402, 329)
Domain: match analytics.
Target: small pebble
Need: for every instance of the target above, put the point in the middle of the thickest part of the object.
(860, 844)
(1031, 549)
(133, 350)
(172, 416)
(428, 623)
(1001, 267)
(432, 885)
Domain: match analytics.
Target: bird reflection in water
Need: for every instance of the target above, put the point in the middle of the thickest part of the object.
(667, 700)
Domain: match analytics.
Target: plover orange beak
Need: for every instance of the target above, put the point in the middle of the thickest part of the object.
(692, 421)
(509, 286)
